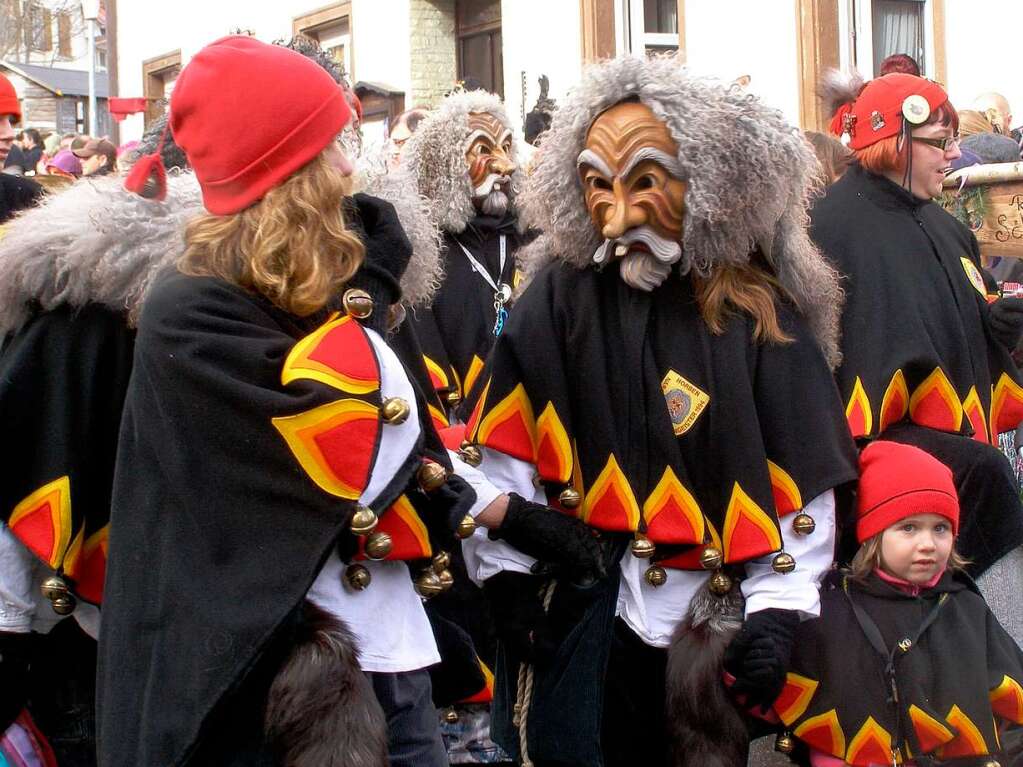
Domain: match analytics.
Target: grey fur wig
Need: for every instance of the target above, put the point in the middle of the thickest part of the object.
(750, 177)
(95, 242)
(435, 155)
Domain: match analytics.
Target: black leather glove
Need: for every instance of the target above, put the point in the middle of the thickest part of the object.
(15, 653)
(760, 654)
(388, 251)
(1005, 318)
(551, 538)
(519, 617)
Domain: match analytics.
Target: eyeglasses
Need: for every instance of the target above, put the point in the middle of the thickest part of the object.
(944, 143)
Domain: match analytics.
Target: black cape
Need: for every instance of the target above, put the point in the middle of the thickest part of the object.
(915, 342)
(223, 513)
(663, 427)
(63, 377)
(16, 193)
(958, 681)
(457, 331)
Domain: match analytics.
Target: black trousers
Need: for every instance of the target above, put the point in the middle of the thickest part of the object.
(413, 732)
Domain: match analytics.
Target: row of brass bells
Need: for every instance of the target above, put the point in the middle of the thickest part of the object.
(803, 524)
(711, 558)
(642, 547)
(720, 583)
(440, 563)
(358, 303)
(570, 498)
(431, 476)
(466, 527)
(656, 575)
(470, 453)
(378, 545)
(395, 411)
(358, 577)
(56, 590)
(364, 521)
(783, 563)
(784, 743)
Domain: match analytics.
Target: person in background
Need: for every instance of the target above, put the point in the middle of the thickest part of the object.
(906, 664)
(996, 108)
(98, 156)
(15, 193)
(899, 62)
(66, 164)
(834, 157)
(404, 126)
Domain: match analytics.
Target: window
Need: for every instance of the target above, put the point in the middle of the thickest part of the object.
(331, 27)
(898, 27)
(158, 77)
(480, 57)
(38, 35)
(64, 35)
(654, 25)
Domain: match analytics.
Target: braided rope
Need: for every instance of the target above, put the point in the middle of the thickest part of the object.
(524, 696)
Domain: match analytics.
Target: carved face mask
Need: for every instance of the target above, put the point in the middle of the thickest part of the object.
(488, 153)
(632, 183)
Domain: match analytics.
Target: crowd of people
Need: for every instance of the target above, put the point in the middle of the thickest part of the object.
(673, 428)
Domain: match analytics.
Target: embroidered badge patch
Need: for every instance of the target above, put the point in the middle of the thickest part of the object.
(973, 273)
(685, 400)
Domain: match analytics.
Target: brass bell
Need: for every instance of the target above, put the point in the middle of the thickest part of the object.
(466, 527)
(431, 476)
(447, 580)
(453, 397)
(358, 577)
(428, 585)
(784, 743)
(364, 521)
(719, 583)
(803, 524)
(64, 605)
(656, 575)
(378, 545)
(357, 303)
(451, 716)
(570, 498)
(711, 558)
(784, 563)
(642, 547)
(55, 588)
(470, 454)
(441, 561)
(992, 763)
(395, 411)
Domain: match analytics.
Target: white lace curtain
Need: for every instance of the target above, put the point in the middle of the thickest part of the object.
(898, 28)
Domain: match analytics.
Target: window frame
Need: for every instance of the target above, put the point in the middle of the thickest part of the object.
(638, 39)
(315, 21)
(856, 22)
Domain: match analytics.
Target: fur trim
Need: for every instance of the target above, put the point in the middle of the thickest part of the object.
(750, 178)
(435, 155)
(705, 727)
(425, 270)
(321, 710)
(94, 242)
(837, 88)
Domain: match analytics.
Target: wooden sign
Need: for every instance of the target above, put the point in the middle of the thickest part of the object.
(999, 230)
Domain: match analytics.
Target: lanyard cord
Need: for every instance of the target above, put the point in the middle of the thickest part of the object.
(482, 270)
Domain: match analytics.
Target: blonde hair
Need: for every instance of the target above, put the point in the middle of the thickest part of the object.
(868, 558)
(748, 288)
(972, 122)
(291, 247)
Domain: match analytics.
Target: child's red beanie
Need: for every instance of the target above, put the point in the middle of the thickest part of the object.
(898, 481)
(248, 115)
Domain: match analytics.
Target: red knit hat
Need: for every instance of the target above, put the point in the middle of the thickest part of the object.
(898, 481)
(248, 115)
(9, 104)
(878, 112)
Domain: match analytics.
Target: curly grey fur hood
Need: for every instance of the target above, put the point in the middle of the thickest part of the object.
(750, 177)
(94, 242)
(435, 155)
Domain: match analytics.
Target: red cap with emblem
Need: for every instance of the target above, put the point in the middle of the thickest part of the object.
(877, 113)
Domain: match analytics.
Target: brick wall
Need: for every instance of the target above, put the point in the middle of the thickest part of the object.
(432, 50)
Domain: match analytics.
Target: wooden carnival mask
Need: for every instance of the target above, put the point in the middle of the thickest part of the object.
(488, 154)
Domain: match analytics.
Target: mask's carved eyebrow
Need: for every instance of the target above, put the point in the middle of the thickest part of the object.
(665, 160)
(478, 133)
(591, 158)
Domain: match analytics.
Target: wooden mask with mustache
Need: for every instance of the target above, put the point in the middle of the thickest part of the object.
(488, 149)
(630, 172)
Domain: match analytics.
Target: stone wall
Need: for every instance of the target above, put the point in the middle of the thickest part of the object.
(434, 62)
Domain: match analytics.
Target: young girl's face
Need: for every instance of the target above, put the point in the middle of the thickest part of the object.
(917, 548)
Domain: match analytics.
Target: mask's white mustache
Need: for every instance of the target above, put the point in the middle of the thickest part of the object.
(488, 184)
(664, 250)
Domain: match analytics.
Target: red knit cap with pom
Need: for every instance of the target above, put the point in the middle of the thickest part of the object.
(898, 481)
(877, 114)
